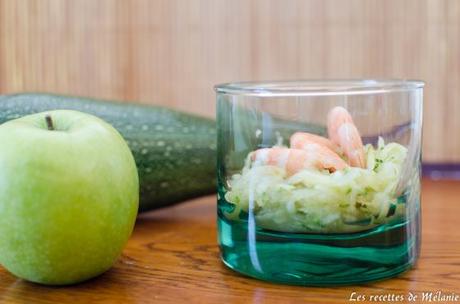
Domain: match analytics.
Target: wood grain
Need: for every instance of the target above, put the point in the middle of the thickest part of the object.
(172, 52)
(172, 257)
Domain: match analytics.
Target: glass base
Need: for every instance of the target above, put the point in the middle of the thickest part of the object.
(319, 259)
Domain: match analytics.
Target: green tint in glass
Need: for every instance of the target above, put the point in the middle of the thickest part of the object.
(285, 214)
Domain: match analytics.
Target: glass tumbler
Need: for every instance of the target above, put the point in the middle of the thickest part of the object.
(319, 181)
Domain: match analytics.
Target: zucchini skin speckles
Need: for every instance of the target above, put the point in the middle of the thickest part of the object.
(175, 152)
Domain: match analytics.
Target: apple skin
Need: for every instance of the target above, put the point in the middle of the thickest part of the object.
(68, 197)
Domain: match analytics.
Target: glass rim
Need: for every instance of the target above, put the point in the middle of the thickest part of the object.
(318, 87)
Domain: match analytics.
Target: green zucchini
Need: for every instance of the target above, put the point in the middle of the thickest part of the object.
(175, 152)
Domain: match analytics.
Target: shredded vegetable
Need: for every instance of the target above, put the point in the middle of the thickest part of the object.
(348, 200)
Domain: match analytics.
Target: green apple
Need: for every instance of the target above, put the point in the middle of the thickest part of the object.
(69, 194)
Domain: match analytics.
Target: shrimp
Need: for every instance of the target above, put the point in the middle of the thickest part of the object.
(343, 132)
(299, 140)
(335, 118)
(295, 160)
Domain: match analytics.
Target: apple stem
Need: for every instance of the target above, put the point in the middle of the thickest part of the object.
(49, 122)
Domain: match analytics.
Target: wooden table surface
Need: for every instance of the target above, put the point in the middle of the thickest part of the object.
(173, 257)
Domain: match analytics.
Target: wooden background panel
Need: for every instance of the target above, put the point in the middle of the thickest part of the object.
(172, 52)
